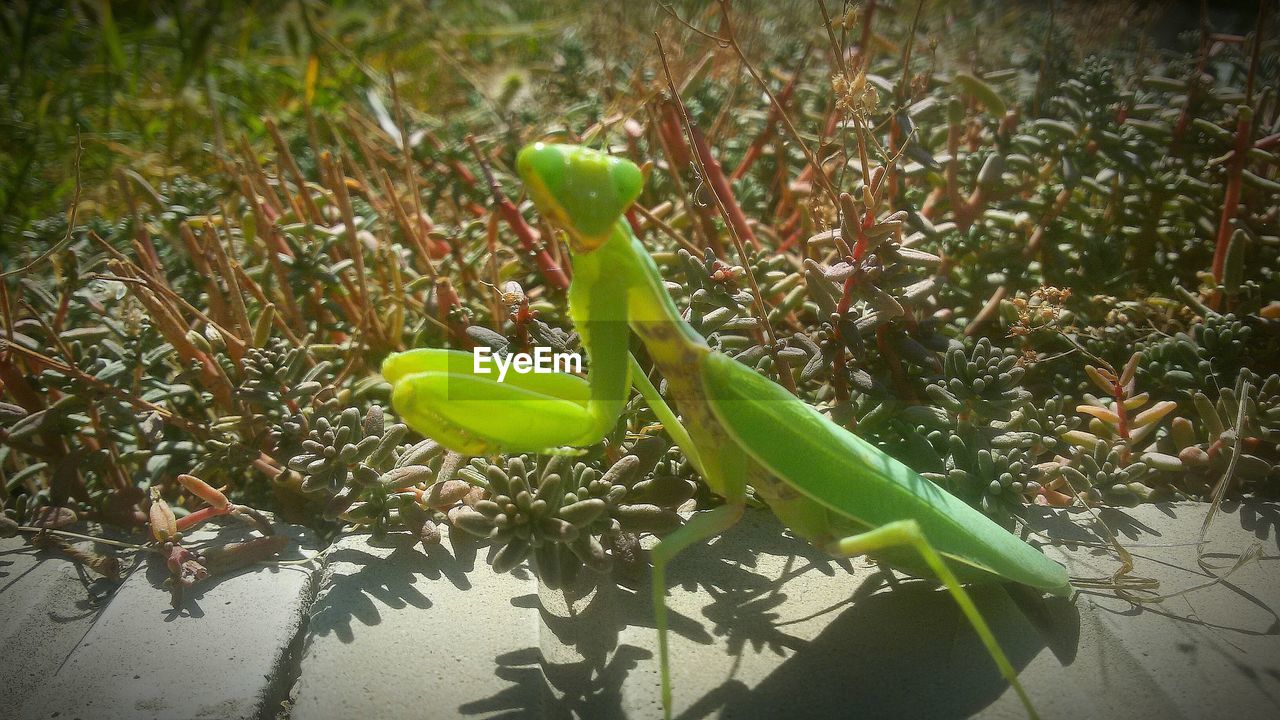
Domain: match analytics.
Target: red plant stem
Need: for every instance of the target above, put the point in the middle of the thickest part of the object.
(633, 220)
(446, 301)
(792, 223)
(784, 96)
(64, 304)
(669, 129)
(846, 295)
(1231, 201)
(729, 206)
(838, 381)
(790, 242)
(1122, 426)
(790, 228)
(672, 138)
(860, 244)
(863, 56)
(528, 237)
(274, 247)
(201, 515)
(467, 177)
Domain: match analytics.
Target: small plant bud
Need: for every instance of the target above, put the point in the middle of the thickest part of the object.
(1155, 413)
(1194, 455)
(429, 534)
(164, 526)
(262, 329)
(1102, 381)
(204, 491)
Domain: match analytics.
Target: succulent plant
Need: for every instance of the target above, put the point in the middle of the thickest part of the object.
(1107, 472)
(363, 472)
(998, 481)
(1047, 423)
(570, 514)
(985, 385)
(1197, 455)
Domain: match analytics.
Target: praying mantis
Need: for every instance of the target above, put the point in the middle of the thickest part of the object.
(737, 427)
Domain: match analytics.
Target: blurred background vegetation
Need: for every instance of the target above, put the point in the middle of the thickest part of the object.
(161, 86)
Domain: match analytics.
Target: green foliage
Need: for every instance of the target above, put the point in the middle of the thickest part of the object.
(220, 299)
(569, 514)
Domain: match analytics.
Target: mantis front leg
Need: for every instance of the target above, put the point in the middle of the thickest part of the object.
(665, 415)
(440, 394)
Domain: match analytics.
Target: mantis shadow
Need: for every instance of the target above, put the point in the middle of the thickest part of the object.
(908, 652)
(543, 690)
(740, 606)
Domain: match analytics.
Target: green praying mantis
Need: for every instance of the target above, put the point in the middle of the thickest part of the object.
(737, 427)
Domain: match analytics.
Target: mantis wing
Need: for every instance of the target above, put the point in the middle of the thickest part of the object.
(854, 479)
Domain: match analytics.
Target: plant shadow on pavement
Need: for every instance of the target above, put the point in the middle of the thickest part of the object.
(357, 578)
(874, 640)
(98, 590)
(599, 631)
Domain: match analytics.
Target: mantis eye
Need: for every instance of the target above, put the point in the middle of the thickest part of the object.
(583, 190)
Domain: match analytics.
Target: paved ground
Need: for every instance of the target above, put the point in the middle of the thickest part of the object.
(225, 654)
(763, 627)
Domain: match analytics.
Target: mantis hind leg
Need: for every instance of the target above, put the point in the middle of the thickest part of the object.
(907, 533)
(700, 527)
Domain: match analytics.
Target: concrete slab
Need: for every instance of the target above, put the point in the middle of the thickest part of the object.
(220, 656)
(47, 603)
(399, 632)
(763, 626)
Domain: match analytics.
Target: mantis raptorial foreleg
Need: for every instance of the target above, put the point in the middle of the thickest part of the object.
(439, 393)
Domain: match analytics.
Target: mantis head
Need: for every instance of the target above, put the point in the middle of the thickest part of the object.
(583, 191)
